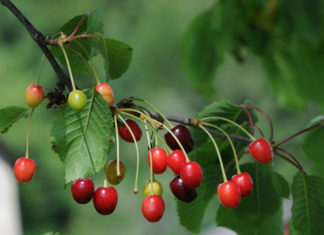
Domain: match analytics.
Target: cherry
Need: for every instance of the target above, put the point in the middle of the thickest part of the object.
(111, 172)
(229, 194)
(159, 159)
(105, 200)
(82, 190)
(77, 100)
(191, 175)
(153, 208)
(125, 134)
(34, 95)
(181, 192)
(157, 189)
(245, 183)
(24, 169)
(175, 160)
(184, 136)
(106, 93)
(261, 150)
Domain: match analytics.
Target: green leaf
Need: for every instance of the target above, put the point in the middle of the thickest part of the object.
(83, 139)
(280, 184)
(117, 56)
(308, 204)
(191, 214)
(85, 46)
(202, 50)
(312, 145)
(260, 213)
(9, 115)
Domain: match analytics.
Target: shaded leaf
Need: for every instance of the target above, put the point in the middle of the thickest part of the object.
(9, 115)
(280, 184)
(261, 212)
(313, 143)
(202, 51)
(83, 139)
(308, 204)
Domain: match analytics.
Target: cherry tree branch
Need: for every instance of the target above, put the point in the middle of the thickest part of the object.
(41, 40)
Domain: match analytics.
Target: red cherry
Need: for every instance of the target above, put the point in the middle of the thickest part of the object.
(229, 194)
(82, 190)
(153, 208)
(105, 200)
(106, 93)
(261, 150)
(175, 160)
(24, 169)
(125, 134)
(34, 95)
(184, 136)
(159, 159)
(191, 175)
(245, 183)
(181, 192)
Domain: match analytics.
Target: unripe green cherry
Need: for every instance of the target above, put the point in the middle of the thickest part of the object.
(157, 189)
(77, 100)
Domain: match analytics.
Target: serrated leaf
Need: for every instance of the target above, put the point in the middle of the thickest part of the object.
(9, 115)
(117, 56)
(83, 139)
(85, 46)
(308, 204)
(281, 185)
(312, 145)
(202, 51)
(260, 213)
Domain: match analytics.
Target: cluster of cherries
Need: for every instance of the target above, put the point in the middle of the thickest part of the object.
(188, 174)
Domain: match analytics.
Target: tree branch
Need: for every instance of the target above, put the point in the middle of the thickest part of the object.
(41, 40)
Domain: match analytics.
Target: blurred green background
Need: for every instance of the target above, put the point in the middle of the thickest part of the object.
(155, 30)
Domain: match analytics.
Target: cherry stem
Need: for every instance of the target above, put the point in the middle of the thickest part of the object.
(266, 117)
(90, 60)
(233, 123)
(28, 129)
(105, 183)
(230, 141)
(137, 152)
(117, 145)
(69, 39)
(156, 110)
(68, 65)
(165, 146)
(297, 134)
(150, 152)
(161, 124)
(84, 59)
(259, 129)
(290, 161)
(290, 155)
(217, 151)
(250, 118)
(78, 25)
(40, 69)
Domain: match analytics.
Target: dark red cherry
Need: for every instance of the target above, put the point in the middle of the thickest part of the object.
(159, 159)
(176, 160)
(82, 190)
(125, 134)
(153, 208)
(245, 183)
(105, 200)
(184, 136)
(181, 192)
(261, 150)
(229, 194)
(191, 175)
